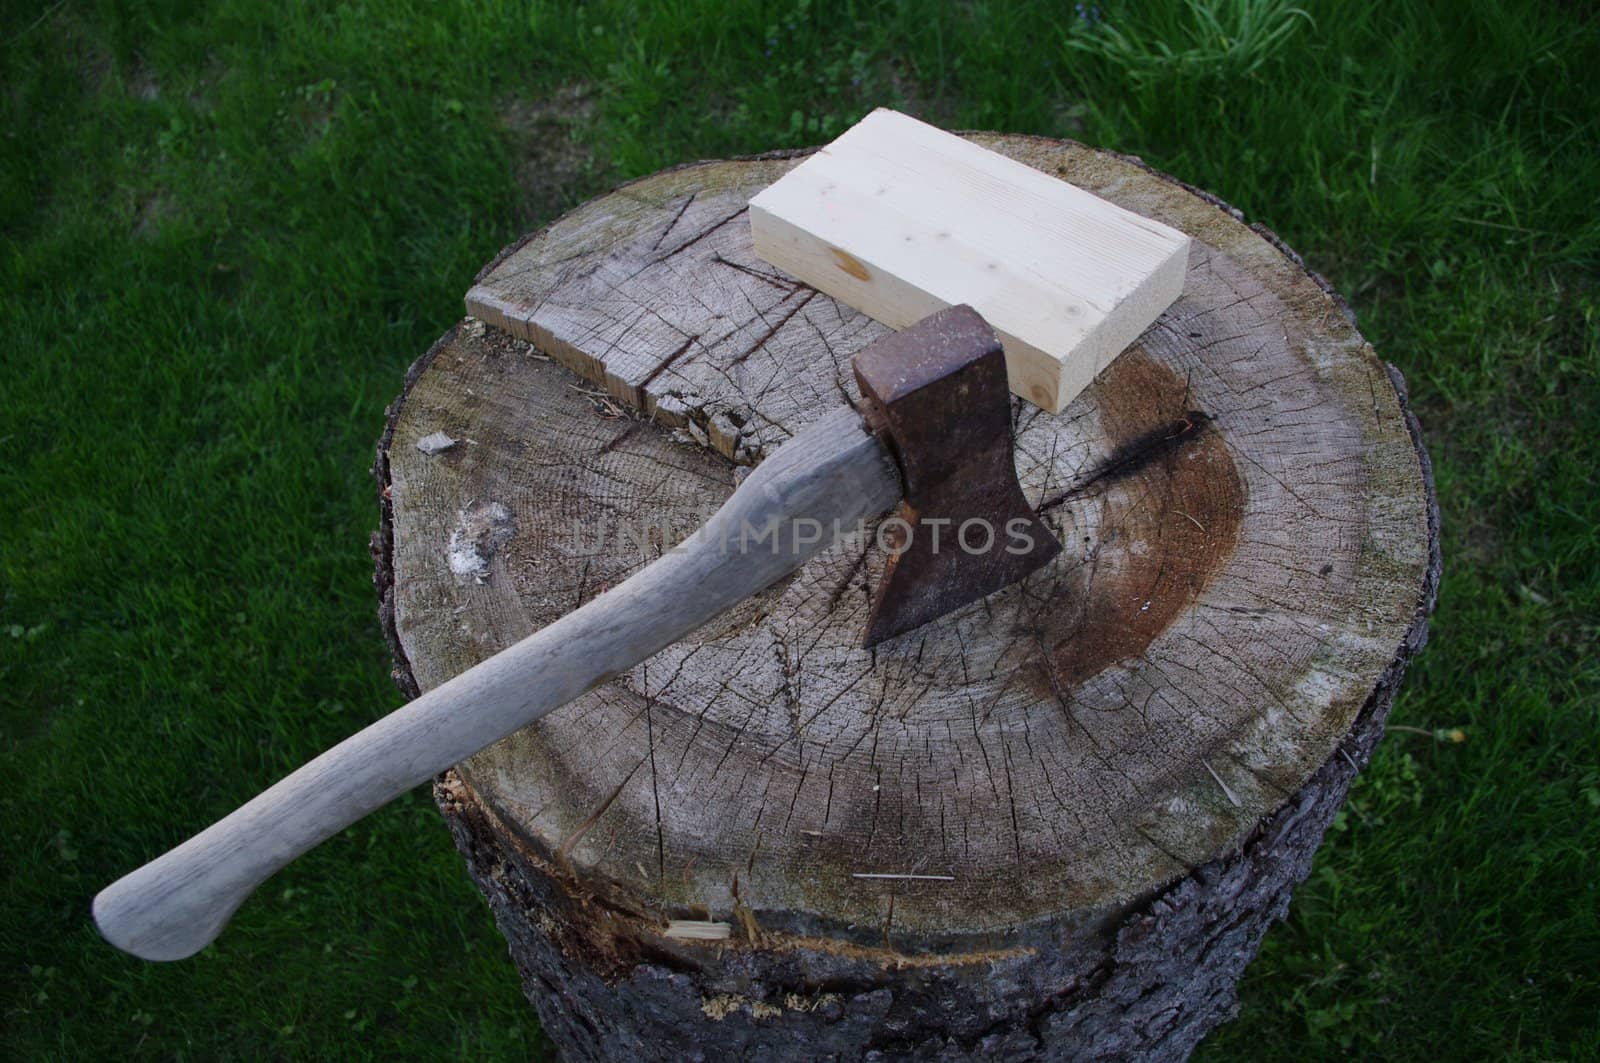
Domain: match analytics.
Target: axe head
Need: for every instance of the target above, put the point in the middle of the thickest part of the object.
(936, 394)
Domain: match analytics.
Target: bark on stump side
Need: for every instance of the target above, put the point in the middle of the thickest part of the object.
(1055, 824)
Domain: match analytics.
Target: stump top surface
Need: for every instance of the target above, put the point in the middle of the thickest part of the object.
(1246, 523)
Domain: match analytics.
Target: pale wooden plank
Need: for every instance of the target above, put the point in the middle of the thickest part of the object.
(898, 219)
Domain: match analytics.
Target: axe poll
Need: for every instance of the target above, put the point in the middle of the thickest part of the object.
(934, 436)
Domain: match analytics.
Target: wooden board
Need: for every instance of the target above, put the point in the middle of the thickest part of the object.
(898, 219)
(1090, 793)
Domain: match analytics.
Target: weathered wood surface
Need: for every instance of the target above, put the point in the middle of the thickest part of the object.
(1094, 789)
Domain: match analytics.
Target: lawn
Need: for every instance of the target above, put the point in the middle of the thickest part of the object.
(225, 233)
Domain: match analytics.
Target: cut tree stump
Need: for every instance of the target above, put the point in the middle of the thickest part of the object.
(1055, 824)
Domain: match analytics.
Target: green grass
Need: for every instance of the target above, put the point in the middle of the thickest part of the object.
(225, 233)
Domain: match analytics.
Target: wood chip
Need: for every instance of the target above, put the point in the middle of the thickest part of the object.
(698, 930)
(434, 443)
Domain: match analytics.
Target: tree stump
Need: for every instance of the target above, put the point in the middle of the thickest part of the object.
(1055, 824)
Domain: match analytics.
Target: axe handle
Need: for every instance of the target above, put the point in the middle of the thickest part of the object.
(174, 905)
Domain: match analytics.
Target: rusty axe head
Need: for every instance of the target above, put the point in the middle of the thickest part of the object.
(936, 394)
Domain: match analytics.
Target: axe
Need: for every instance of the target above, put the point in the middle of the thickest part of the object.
(934, 436)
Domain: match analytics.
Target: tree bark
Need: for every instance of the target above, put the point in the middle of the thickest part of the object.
(1055, 824)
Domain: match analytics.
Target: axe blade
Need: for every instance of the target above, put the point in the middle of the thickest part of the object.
(936, 393)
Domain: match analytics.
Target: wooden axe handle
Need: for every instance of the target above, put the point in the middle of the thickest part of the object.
(834, 470)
